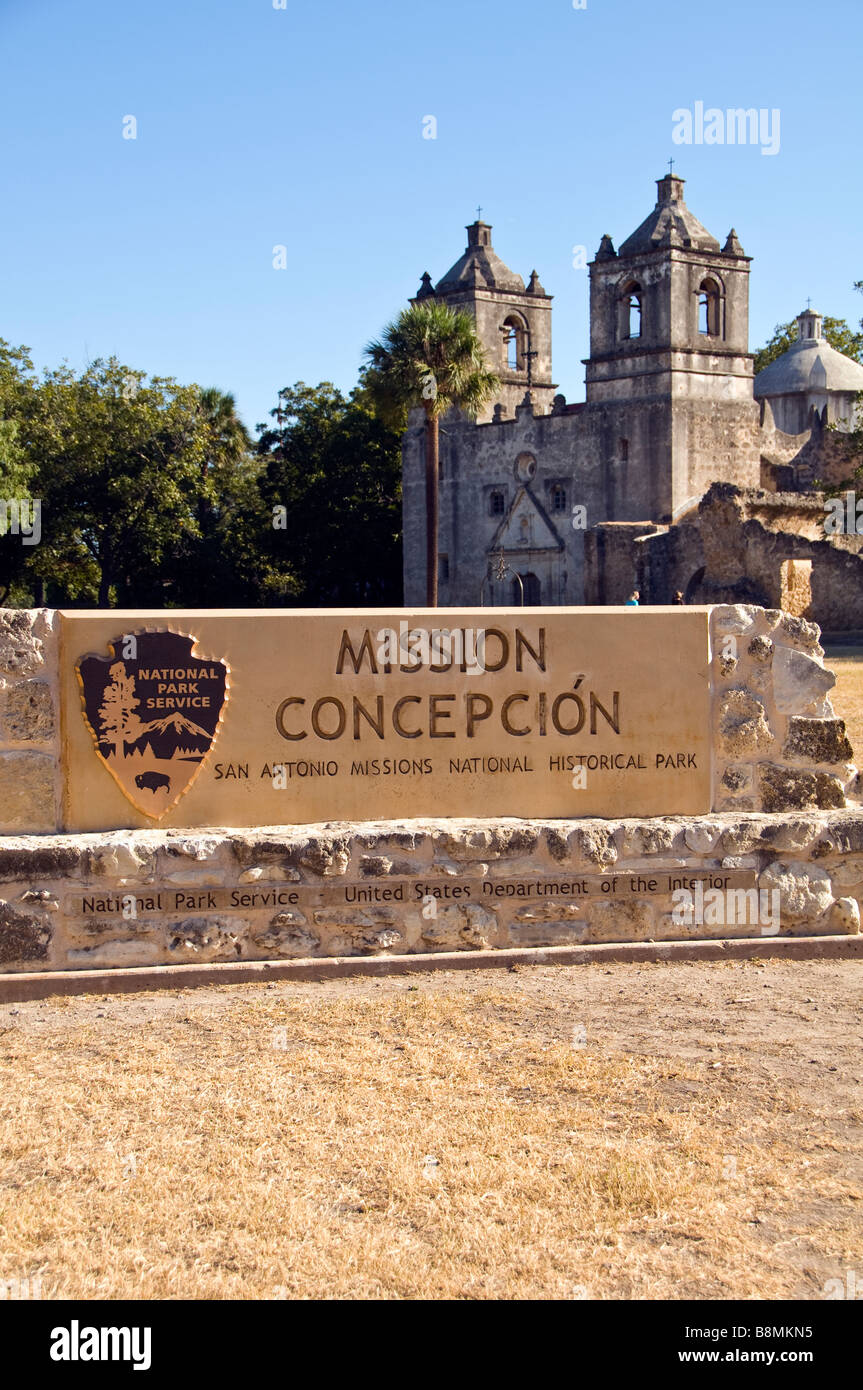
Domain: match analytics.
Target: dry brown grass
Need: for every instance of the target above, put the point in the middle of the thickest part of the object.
(847, 695)
(407, 1143)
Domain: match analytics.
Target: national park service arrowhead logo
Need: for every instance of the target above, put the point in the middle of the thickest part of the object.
(154, 710)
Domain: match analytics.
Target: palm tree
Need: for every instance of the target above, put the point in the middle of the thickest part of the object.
(431, 356)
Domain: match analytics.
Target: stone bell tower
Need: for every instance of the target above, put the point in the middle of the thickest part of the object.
(513, 322)
(669, 353)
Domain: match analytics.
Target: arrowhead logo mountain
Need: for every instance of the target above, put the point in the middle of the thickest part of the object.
(154, 710)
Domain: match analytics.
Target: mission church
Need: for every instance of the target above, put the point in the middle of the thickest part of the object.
(679, 471)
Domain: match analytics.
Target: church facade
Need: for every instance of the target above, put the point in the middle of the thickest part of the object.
(542, 501)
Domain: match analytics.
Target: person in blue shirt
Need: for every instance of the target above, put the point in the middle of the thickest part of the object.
(633, 600)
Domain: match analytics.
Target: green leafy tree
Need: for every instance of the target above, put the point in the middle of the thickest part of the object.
(431, 357)
(17, 387)
(330, 498)
(121, 466)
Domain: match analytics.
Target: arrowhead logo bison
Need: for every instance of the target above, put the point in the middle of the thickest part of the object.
(154, 709)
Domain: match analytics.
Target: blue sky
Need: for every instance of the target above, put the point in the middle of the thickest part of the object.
(303, 127)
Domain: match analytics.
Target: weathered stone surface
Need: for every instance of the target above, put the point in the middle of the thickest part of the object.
(287, 936)
(375, 865)
(28, 712)
(701, 836)
(114, 953)
(743, 726)
(621, 921)
(735, 618)
(787, 789)
(40, 860)
(21, 651)
(799, 682)
(804, 889)
(123, 861)
(470, 927)
(329, 858)
(845, 916)
(817, 740)
(790, 833)
(737, 778)
(653, 837)
(24, 937)
(760, 649)
(27, 791)
(207, 938)
(799, 632)
(373, 941)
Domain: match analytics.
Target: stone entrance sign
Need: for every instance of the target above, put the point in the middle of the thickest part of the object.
(289, 717)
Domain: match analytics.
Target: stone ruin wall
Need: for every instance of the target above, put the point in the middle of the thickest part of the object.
(786, 811)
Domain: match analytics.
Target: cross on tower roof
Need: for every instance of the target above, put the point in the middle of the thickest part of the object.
(671, 166)
(808, 302)
(478, 213)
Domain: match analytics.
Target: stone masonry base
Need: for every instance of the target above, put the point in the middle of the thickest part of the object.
(153, 898)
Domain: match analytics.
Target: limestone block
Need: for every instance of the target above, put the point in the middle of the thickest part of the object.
(550, 912)
(287, 935)
(271, 872)
(845, 916)
(739, 837)
(790, 833)
(372, 941)
(621, 921)
(24, 937)
(555, 933)
(27, 792)
(193, 861)
(799, 682)
(760, 649)
(701, 836)
(792, 789)
(339, 917)
(109, 953)
(737, 618)
(817, 740)
(123, 861)
(804, 889)
(743, 726)
(655, 837)
(375, 865)
(42, 861)
(795, 631)
(28, 712)
(329, 858)
(737, 779)
(582, 846)
(468, 927)
(21, 650)
(207, 938)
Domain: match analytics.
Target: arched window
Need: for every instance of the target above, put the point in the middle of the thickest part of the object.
(634, 316)
(630, 323)
(708, 308)
(514, 343)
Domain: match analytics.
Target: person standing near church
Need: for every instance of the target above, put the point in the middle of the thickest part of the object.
(633, 600)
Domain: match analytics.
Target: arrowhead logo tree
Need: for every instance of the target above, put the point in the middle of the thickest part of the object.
(153, 708)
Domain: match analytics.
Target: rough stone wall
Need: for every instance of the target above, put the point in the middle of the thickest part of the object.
(778, 744)
(813, 860)
(29, 720)
(735, 548)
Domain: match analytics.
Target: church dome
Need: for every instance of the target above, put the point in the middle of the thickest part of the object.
(810, 364)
